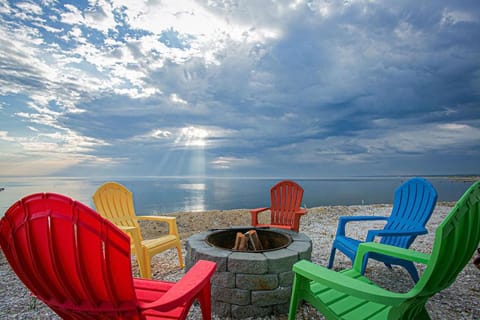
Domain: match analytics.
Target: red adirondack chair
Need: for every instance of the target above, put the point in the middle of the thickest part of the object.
(79, 264)
(285, 211)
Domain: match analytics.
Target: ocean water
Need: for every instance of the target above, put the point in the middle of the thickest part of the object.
(157, 195)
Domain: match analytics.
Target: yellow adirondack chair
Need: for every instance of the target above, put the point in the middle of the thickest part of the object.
(115, 202)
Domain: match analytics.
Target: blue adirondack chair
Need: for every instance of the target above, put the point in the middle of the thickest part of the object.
(413, 205)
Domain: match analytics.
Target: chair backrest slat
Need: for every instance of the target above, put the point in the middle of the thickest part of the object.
(414, 202)
(456, 239)
(285, 197)
(70, 257)
(115, 202)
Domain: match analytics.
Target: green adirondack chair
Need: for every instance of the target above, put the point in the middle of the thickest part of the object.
(349, 295)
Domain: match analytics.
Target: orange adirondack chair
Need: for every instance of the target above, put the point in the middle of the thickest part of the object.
(285, 211)
(115, 202)
(78, 263)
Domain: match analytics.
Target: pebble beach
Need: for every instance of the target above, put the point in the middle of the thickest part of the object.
(460, 301)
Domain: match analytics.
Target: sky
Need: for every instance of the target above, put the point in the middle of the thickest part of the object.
(239, 88)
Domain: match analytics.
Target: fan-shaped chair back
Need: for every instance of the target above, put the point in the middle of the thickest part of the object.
(64, 253)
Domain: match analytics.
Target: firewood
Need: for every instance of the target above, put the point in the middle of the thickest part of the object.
(237, 240)
(243, 243)
(254, 240)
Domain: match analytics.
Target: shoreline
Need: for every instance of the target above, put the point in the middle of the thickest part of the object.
(460, 301)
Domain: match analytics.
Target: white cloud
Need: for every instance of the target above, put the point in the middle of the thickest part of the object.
(452, 16)
(4, 136)
(72, 16)
(224, 162)
(100, 16)
(192, 137)
(176, 99)
(346, 82)
(155, 134)
(419, 139)
(28, 7)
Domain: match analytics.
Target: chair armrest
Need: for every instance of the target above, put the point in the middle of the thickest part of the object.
(361, 218)
(254, 214)
(135, 237)
(258, 210)
(343, 220)
(300, 211)
(186, 289)
(171, 221)
(296, 219)
(126, 229)
(157, 218)
(378, 233)
(401, 253)
(348, 285)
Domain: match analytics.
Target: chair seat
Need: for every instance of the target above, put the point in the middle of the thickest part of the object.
(347, 245)
(347, 306)
(168, 240)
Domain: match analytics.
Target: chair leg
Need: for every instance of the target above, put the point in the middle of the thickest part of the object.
(204, 298)
(332, 257)
(147, 266)
(412, 270)
(409, 266)
(388, 265)
(364, 264)
(294, 299)
(180, 257)
(143, 261)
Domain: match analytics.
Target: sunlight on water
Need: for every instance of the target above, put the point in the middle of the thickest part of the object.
(195, 203)
(196, 200)
(192, 186)
(160, 195)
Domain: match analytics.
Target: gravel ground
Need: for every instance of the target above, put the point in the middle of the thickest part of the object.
(460, 301)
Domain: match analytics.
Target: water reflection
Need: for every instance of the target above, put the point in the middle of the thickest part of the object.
(192, 186)
(194, 199)
(17, 188)
(157, 195)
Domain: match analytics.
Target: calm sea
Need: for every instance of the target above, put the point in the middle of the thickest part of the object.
(154, 195)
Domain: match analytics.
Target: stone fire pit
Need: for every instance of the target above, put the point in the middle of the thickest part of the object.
(255, 283)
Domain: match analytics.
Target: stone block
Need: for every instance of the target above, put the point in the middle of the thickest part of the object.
(231, 295)
(198, 236)
(303, 249)
(256, 281)
(223, 310)
(215, 255)
(281, 308)
(285, 279)
(299, 236)
(271, 297)
(224, 279)
(242, 312)
(247, 262)
(281, 260)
